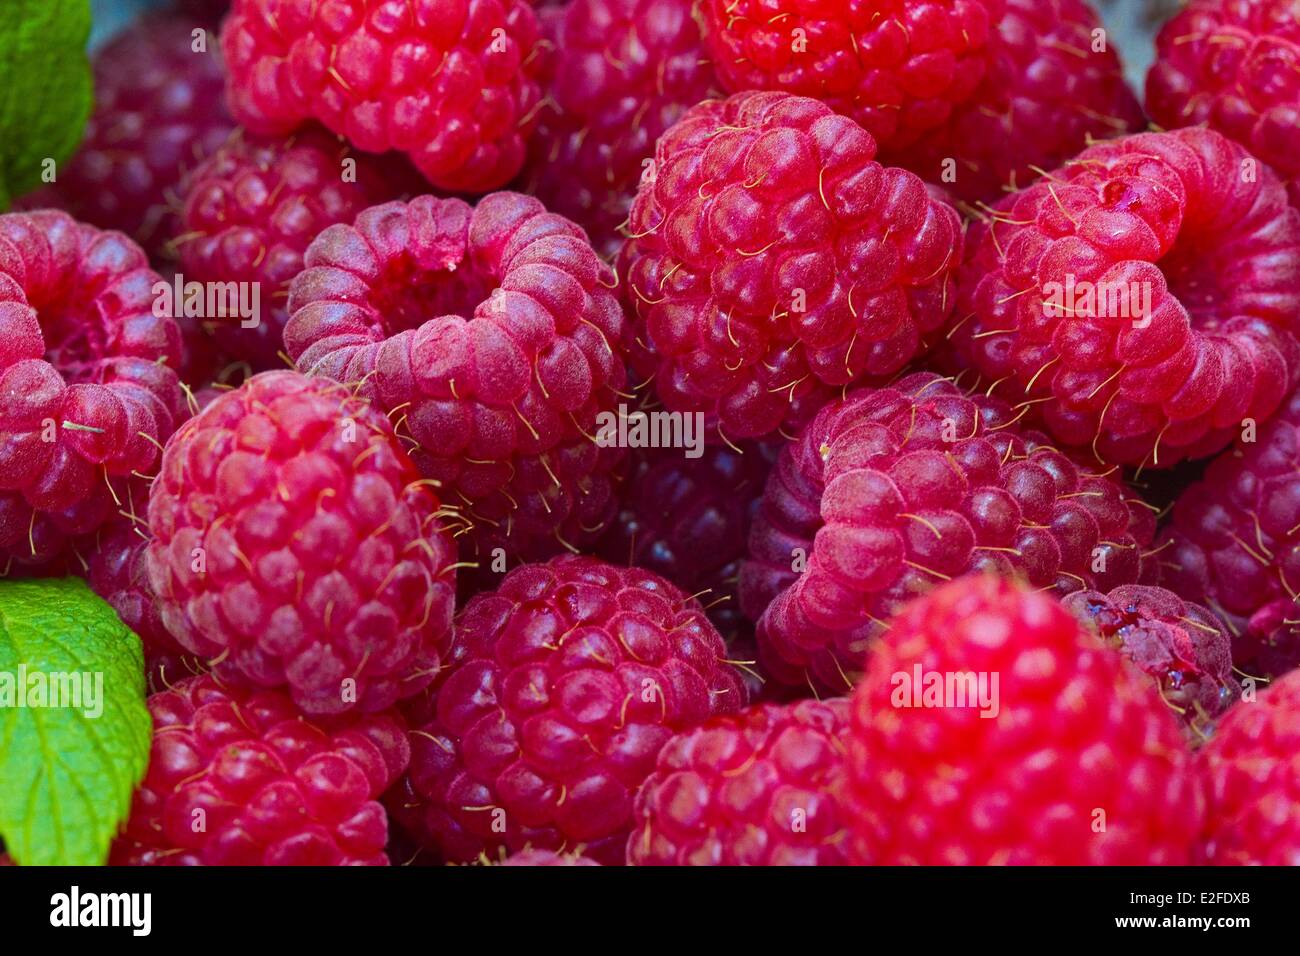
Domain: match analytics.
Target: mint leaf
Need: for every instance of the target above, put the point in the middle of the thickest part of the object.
(46, 89)
(67, 772)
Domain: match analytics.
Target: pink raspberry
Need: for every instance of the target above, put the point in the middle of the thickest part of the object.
(898, 67)
(1047, 93)
(452, 83)
(270, 788)
(1070, 758)
(1233, 544)
(251, 210)
(764, 787)
(561, 688)
(1251, 769)
(1143, 295)
(773, 261)
(1232, 66)
(294, 541)
(688, 519)
(622, 72)
(1183, 647)
(88, 388)
(158, 110)
(892, 491)
(492, 337)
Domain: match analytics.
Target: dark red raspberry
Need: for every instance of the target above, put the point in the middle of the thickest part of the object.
(1183, 647)
(898, 67)
(621, 73)
(1070, 758)
(1233, 544)
(1144, 296)
(293, 537)
(452, 83)
(688, 519)
(239, 778)
(251, 210)
(1233, 67)
(773, 261)
(158, 110)
(1048, 92)
(764, 787)
(891, 491)
(88, 388)
(562, 686)
(547, 858)
(1251, 769)
(492, 337)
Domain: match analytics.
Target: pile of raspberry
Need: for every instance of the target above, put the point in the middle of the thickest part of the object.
(680, 433)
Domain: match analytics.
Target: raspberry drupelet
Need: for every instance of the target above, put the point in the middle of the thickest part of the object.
(494, 340)
(772, 261)
(295, 544)
(892, 491)
(1143, 299)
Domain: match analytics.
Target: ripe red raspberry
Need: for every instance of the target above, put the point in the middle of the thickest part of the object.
(890, 491)
(1047, 93)
(1232, 66)
(547, 858)
(492, 338)
(88, 391)
(688, 519)
(773, 261)
(452, 83)
(240, 778)
(898, 67)
(1143, 295)
(764, 787)
(1251, 769)
(293, 537)
(562, 686)
(1069, 759)
(1233, 544)
(1183, 647)
(622, 72)
(251, 210)
(158, 110)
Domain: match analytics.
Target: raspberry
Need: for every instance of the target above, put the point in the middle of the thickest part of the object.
(270, 788)
(1144, 296)
(1231, 66)
(452, 84)
(88, 391)
(688, 520)
(773, 262)
(1047, 93)
(624, 71)
(293, 537)
(562, 686)
(1251, 769)
(1183, 647)
(760, 788)
(249, 213)
(547, 858)
(1079, 764)
(898, 67)
(892, 490)
(493, 339)
(1233, 544)
(158, 110)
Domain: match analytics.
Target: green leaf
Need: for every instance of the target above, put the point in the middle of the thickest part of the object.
(46, 89)
(67, 772)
